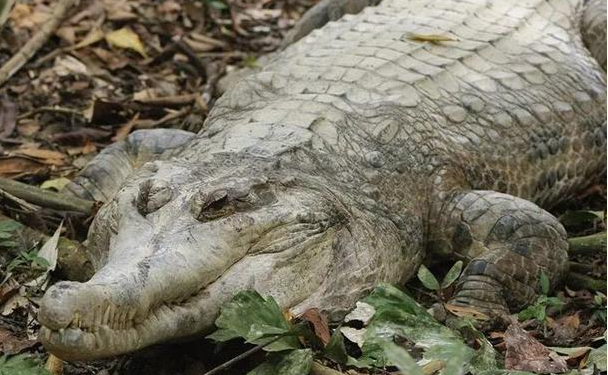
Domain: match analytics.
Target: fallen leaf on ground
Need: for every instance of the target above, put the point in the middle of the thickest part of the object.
(464, 311)
(126, 38)
(319, 323)
(433, 38)
(8, 289)
(11, 344)
(14, 302)
(45, 156)
(525, 353)
(20, 166)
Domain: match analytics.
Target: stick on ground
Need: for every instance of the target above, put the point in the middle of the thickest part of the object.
(588, 245)
(5, 10)
(28, 50)
(45, 198)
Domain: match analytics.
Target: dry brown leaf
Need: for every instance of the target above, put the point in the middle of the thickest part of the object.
(93, 36)
(69, 65)
(28, 127)
(67, 33)
(433, 38)
(319, 324)
(20, 166)
(11, 344)
(525, 353)
(46, 156)
(462, 311)
(26, 17)
(8, 289)
(54, 365)
(125, 129)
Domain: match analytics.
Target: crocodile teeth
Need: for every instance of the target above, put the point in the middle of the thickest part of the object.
(97, 315)
(106, 316)
(75, 321)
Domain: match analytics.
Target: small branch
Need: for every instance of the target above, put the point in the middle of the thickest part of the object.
(5, 10)
(240, 357)
(578, 281)
(152, 124)
(65, 111)
(588, 245)
(46, 198)
(199, 64)
(36, 41)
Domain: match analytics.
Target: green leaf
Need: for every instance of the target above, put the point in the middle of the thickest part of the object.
(402, 359)
(216, 4)
(427, 278)
(597, 357)
(536, 311)
(21, 365)
(292, 362)
(452, 274)
(555, 302)
(335, 349)
(40, 261)
(8, 243)
(544, 283)
(9, 226)
(399, 316)
(257, 319)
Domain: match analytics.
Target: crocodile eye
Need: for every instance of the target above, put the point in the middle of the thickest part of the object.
(215, 205)
(222, 203)
(153, 194)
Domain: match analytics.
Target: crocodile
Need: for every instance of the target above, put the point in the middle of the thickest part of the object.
(406, 132)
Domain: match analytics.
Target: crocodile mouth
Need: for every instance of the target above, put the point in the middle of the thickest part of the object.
(114, 330)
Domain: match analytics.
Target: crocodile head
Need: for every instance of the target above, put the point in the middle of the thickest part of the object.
(182, 242)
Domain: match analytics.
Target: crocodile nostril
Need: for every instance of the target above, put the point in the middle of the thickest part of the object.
(153, 194)
(57, 305)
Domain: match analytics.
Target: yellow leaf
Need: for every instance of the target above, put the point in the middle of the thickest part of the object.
(433, 38)
(94, 36)
(125, 38)
(57, 183)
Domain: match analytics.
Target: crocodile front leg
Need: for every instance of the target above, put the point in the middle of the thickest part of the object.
(104, 175)
(508, 242)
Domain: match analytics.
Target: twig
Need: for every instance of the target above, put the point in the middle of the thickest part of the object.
(162, 121)
(588, 245)
(199, 64)
(579, 281)
(65, 111)
(169, 101)
(240, 357)
(38, 39)
(46, 198)
(5, 10)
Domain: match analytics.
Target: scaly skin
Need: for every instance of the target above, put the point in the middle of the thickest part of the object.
(355, 153)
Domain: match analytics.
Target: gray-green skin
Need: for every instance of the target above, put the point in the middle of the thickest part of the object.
(356, 153)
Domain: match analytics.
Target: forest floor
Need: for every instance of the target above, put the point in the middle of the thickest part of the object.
(115, 66)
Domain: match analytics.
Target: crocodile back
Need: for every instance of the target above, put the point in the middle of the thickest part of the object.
(501, 93)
